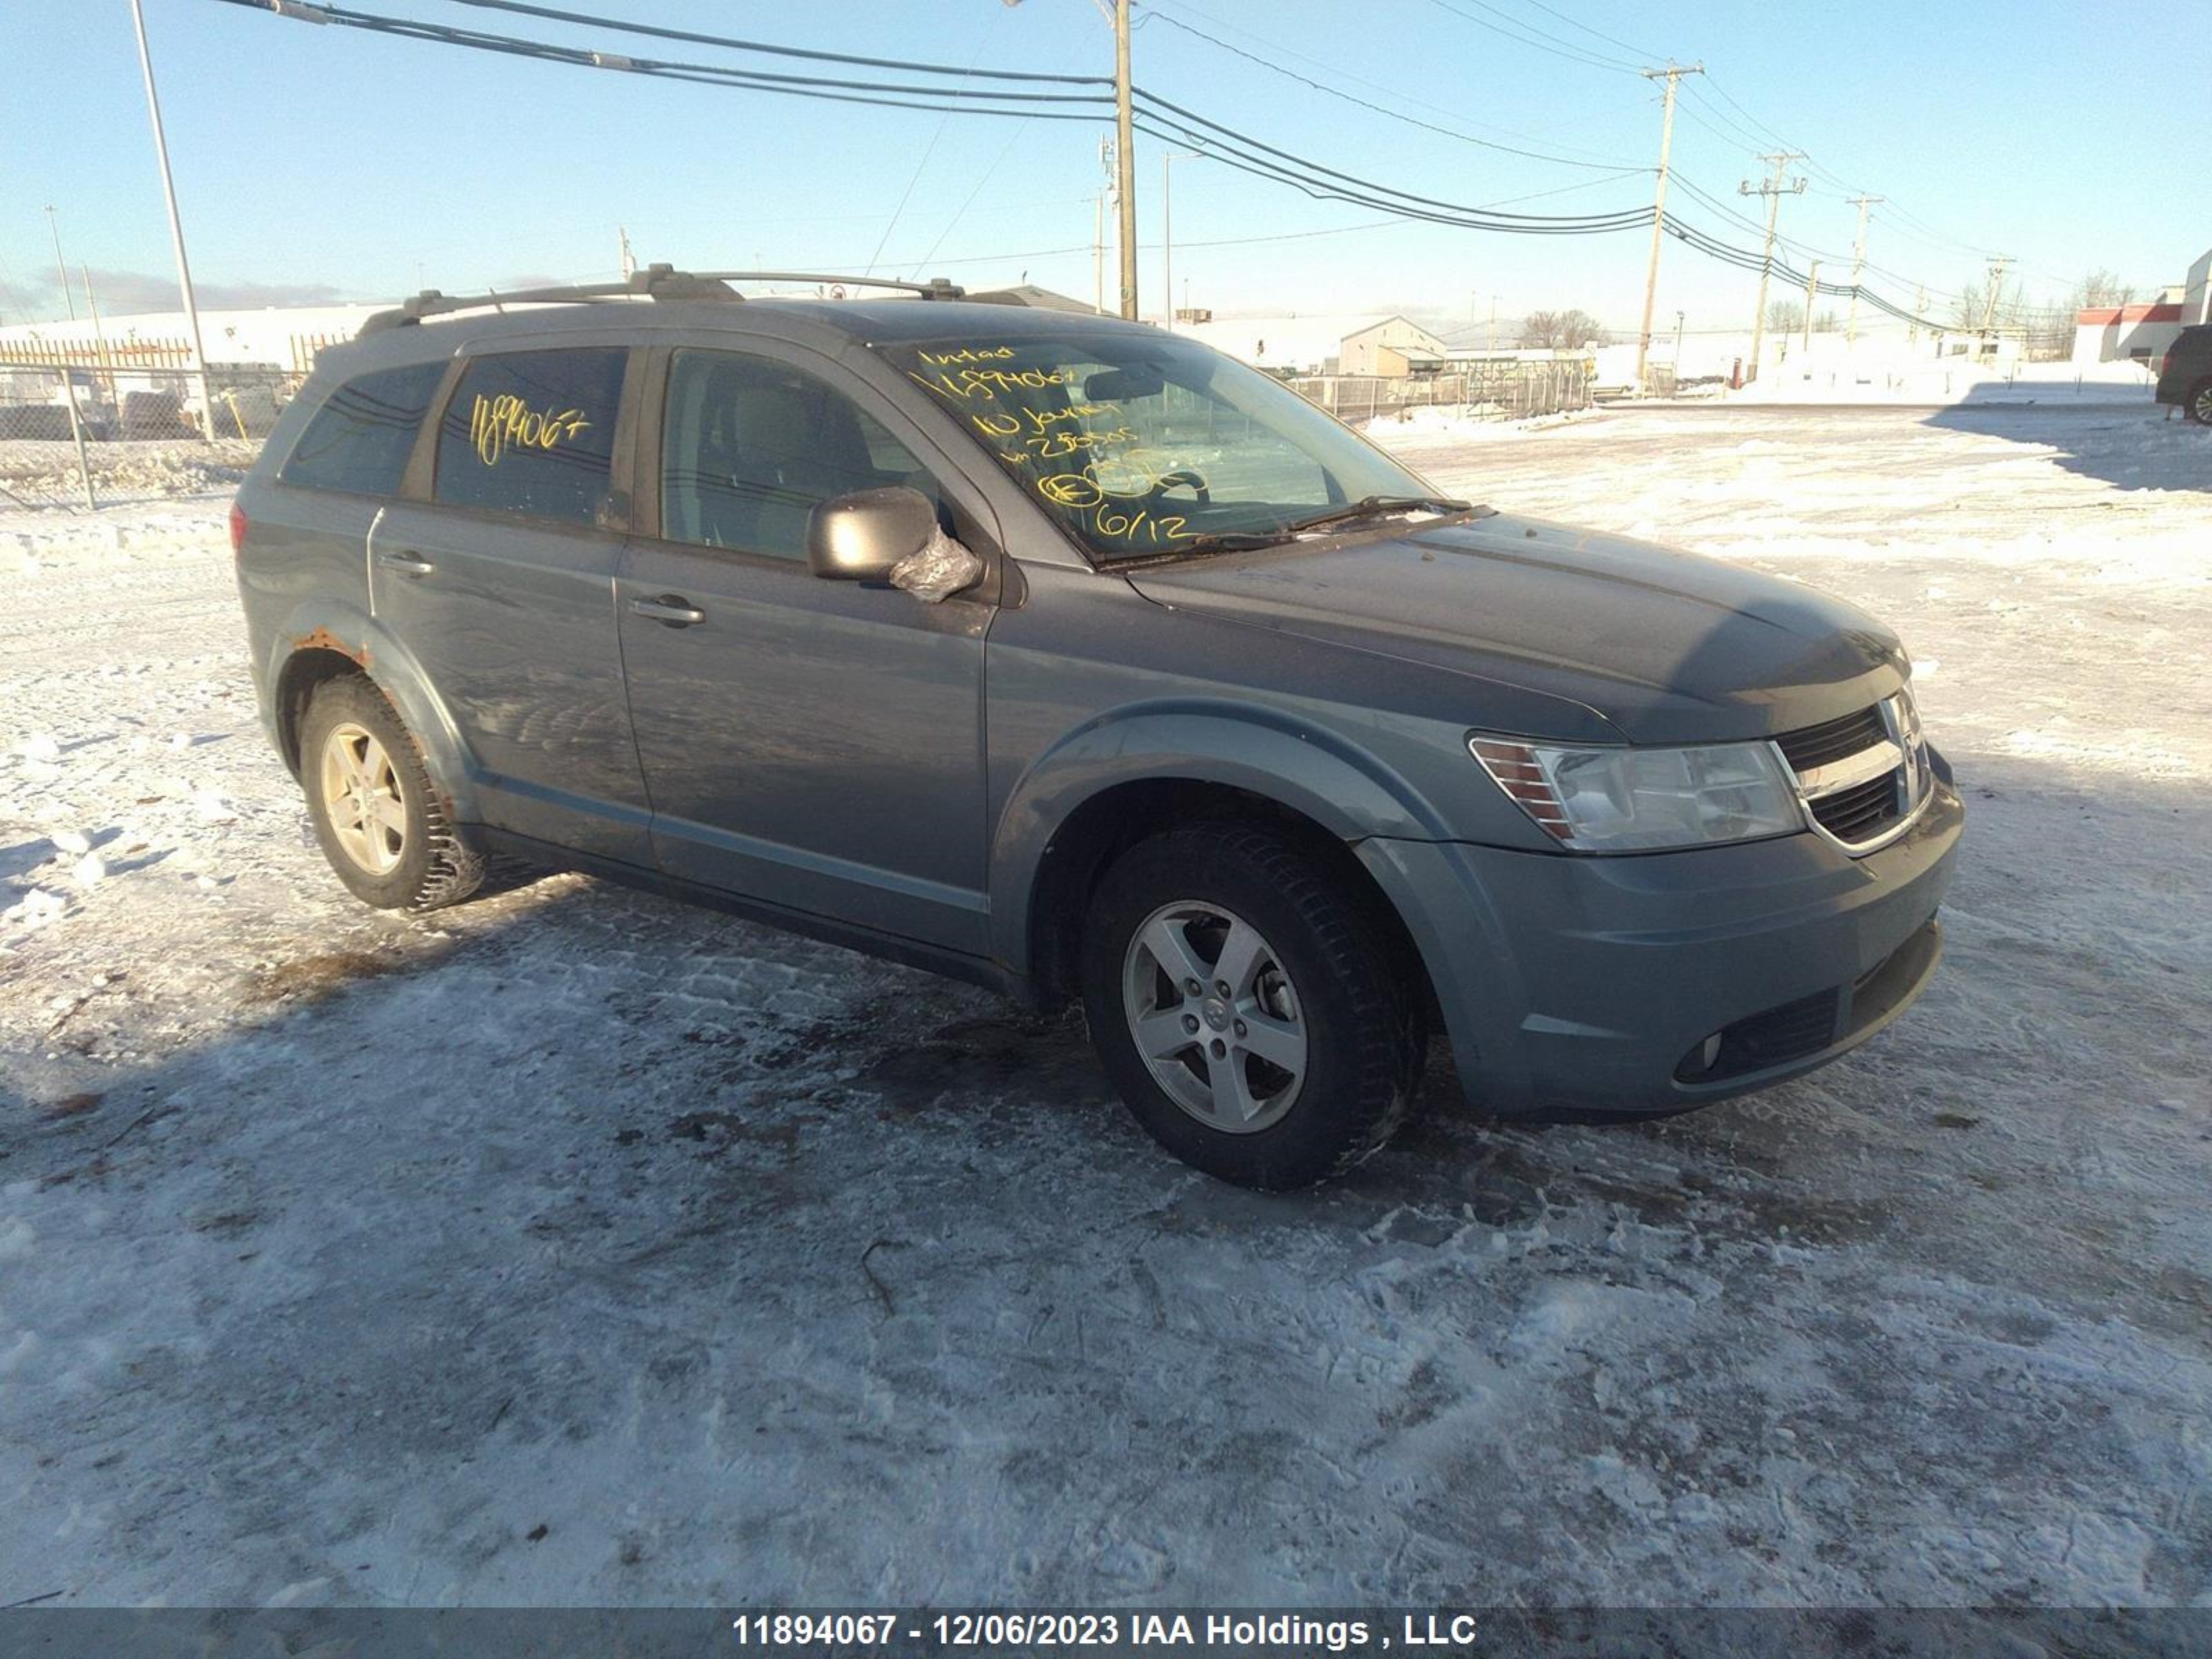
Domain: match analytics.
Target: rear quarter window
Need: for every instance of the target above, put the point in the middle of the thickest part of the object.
(359, 439)
(532, 433)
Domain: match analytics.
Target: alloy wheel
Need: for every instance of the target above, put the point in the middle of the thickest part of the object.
(1215, 1017)
(362, 793)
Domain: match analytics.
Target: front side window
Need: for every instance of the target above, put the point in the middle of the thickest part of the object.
(1143, 447)
(532, 432)
(359, 439)
(750, 445)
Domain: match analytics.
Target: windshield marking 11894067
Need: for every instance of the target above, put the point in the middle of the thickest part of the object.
(1144, 446)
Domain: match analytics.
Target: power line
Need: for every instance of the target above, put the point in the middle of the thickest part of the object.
(1397, 92)
(1285, 161)
(1537, 38)
(694, 38)
(1158, 119)
(1638, 53)
(1380, 109)
(885, 95)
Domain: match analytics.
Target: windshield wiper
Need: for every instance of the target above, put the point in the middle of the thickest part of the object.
(1377, 506)
(1239, 541)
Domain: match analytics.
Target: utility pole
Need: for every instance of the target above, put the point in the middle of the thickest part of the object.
(1678, 351)
(1858, 263)
(1672, 74)
(60, 266)
(1919, 314)
(1997, 263)
(1125, 159)
(1773, 189)
(1812, 287)
(198, 366)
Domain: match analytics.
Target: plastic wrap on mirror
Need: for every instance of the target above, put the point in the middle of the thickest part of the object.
(939, 571)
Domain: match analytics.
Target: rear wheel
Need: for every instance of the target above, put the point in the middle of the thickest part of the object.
(2199, 404)
(381, 819)
(1248, 1010)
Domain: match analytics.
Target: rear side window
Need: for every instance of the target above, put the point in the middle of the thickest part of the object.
(359, 440)
(532, 432)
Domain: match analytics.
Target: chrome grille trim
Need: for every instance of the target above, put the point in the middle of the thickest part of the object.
(1843, 785)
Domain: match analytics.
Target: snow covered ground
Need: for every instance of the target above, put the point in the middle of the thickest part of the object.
(574, 1246)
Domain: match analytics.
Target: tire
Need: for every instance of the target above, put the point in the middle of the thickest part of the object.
(1312, 964)
(405, 853)
(2196, 404)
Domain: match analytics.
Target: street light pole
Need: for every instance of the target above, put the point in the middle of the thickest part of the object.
(198, 366)
(1168, 158)
(1126, 161)
(60, 266)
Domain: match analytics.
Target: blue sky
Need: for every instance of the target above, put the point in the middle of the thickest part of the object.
(311, 160)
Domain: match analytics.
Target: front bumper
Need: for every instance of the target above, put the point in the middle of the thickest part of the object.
(1574, 986)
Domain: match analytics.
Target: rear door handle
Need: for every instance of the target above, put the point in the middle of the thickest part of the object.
(405, 562)
(669, 610)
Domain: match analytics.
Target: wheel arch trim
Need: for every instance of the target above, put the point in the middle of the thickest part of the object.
(346, 631)
(1266, 753)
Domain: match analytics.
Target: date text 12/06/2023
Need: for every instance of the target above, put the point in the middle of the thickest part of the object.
(1028, 1630)
(1099, 474)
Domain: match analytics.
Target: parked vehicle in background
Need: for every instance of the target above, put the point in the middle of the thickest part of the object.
(1077, 660)
(2185, 374)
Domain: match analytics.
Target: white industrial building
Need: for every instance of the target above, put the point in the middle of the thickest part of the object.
(2141, 333)
(1323, 343)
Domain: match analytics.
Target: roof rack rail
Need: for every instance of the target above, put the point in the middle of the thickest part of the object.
(655, 281)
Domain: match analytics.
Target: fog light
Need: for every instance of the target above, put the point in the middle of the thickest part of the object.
(1710, 1053)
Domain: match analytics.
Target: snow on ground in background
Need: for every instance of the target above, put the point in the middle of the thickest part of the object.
(571, 1246)
(1833, 378)
(1476, 421)
(45, 475)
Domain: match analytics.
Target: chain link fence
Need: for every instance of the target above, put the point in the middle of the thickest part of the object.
(1507, 390)
(77, 435)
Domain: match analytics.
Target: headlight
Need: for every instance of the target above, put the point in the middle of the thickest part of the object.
(1630, 800)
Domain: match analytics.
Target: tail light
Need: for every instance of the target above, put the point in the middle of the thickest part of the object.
(238, 525)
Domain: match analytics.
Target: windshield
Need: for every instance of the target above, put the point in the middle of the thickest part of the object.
(1144, 446)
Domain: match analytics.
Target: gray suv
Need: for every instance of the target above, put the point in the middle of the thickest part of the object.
(1072, 658)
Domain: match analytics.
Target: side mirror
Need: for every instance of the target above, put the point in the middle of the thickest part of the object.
(860, 537)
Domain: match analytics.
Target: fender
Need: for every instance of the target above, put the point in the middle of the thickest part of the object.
(333, 624)
(1396, 834)
(1266, 751)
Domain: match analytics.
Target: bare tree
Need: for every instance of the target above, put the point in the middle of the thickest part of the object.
(1561, 329)
(1972, 306)
(1785, 316)
(2102, 287)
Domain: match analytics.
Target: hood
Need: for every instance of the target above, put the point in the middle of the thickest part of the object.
(1668, 647)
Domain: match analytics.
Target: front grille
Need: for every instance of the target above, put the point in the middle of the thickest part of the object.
(1831, 763)
(1831, 740)
(1861, 812)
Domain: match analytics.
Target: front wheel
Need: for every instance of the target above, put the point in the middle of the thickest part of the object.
(1247, 1008)
(2197, 406)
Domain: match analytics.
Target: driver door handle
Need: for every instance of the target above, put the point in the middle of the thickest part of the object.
(669, 610)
